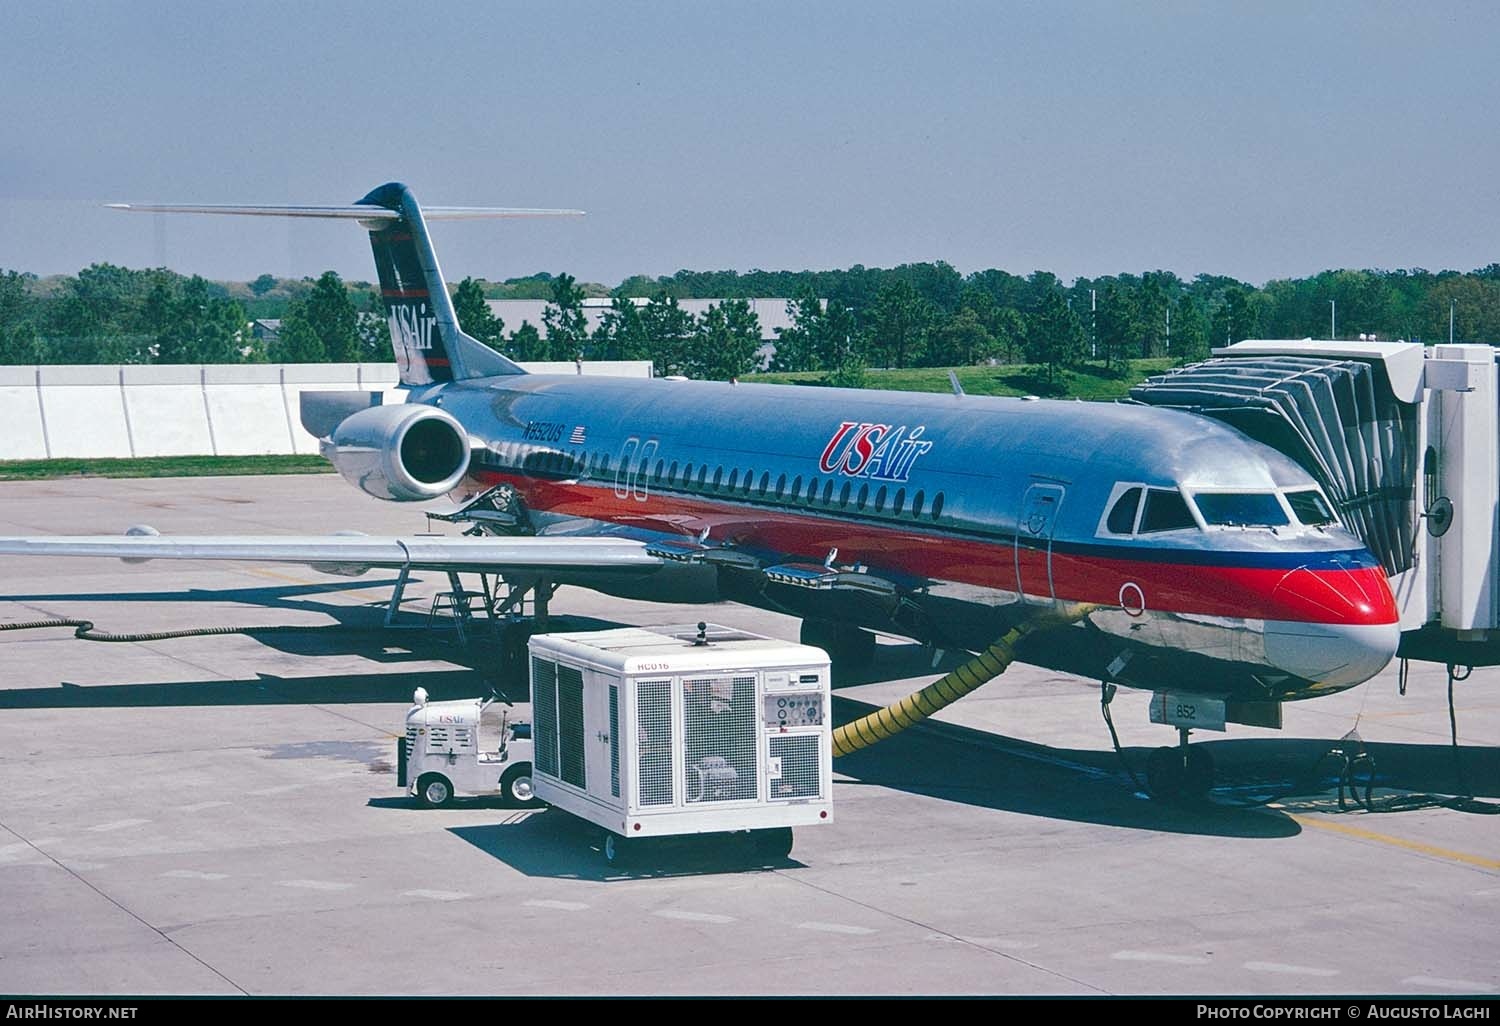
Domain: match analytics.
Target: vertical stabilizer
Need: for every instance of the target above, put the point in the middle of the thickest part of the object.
(429, 346)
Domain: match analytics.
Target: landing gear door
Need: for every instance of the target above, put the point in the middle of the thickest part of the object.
(1039, 509)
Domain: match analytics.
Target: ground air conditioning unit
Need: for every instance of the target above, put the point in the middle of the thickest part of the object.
(648, 733)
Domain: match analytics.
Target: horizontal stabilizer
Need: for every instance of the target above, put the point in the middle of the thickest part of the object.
(353, 212)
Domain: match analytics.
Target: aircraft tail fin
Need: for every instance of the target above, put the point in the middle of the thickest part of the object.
(430, 347)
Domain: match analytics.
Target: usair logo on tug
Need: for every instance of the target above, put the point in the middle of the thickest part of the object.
(876, 451)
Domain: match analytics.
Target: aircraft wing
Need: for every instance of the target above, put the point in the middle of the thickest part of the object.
(351, 554)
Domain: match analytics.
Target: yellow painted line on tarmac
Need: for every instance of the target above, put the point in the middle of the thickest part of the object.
(1399, 842)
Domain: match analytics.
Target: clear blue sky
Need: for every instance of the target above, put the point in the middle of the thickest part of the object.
(1261, 140)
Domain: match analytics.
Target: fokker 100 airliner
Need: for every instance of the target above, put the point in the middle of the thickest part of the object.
(1211, 565)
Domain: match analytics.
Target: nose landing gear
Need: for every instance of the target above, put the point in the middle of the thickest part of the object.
(1182, 773)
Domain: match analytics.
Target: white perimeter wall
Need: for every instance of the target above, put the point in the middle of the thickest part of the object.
(225, 410)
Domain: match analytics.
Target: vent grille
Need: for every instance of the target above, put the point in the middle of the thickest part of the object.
(544, 716)
(570, 724)
(614, 740)
(654, 715)
(798, 759)
(720, 724)
(411, 741)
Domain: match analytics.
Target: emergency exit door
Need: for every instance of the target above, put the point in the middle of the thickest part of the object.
(1034, 529)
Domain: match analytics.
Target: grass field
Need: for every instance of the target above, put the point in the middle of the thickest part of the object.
(1086, 382)
(162, 466)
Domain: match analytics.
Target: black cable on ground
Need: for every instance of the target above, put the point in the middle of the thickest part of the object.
(85, 629)
(1356, 773)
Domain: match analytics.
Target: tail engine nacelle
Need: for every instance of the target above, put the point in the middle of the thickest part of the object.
(404, 453)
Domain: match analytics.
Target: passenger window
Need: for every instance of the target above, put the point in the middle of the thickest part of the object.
(765, 482)
(703, 473)
(796, 492)
(828, 492)
(864, 493)
(937, 505)
(660, 466)
(916, 505)
(880, 500)
(899, 505)
(734, 480)
(781, 486)
(1165, 511)
(672, 474)
(844, 495)
(718, 476)
(1122, 516)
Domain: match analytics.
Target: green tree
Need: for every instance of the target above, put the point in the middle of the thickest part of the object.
(669, 330)
(567, 329)
(621, 334)
(19, 340)
(330, 313)
(899, 325)
(1055, 337)
(794, 345)
(725, 343)
(265, 283)
(962, 340)
(196, 326)
(526, 343)
(475, 316)
(298, 340)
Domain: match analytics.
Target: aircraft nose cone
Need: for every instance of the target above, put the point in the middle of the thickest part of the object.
(1331, 656)
(1347, 628)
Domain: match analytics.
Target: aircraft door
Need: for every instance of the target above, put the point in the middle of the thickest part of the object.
(1034, 541)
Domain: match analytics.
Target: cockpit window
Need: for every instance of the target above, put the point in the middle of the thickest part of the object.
(1310, 507)
(1165, 511)
(1241, 509)
(1122, 516)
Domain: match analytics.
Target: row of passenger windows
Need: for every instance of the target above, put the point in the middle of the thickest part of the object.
(1166, 510)
(827, 492)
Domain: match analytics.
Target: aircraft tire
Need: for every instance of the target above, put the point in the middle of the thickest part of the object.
(1165, 776)
(849, 648)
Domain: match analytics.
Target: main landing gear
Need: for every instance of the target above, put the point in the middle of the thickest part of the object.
(851, 649)
(1180, 773)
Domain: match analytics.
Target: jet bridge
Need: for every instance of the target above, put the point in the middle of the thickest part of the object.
(1404, 440)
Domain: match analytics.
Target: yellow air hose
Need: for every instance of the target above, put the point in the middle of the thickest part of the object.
(947, 689)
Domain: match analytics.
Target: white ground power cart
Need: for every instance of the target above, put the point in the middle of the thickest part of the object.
(682, 730)
(464, 747)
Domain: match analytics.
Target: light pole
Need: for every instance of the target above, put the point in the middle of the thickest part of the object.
(1451, 304)
(1333, 331)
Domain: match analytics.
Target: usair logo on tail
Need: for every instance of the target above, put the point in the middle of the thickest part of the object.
(412, 327)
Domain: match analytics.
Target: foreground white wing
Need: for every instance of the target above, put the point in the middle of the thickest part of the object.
(493, 555)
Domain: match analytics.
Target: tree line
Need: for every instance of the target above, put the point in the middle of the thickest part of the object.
(842, 322)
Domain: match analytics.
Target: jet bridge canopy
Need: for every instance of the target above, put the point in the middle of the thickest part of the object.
(1342, 419)
(1399, 436)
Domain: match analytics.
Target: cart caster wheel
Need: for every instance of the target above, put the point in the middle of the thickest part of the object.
(434, 790)
(773, 845)
(516, 789)
(617, 849)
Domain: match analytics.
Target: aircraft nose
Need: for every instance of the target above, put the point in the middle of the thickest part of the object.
(1347, 627)
(1331, 656)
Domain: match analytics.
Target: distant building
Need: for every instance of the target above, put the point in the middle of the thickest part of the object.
(771, 313)
(266, 329)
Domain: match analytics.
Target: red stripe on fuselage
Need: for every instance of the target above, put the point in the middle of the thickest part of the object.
(1316, 593)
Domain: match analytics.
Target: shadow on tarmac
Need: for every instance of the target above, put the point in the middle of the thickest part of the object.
(937, 760)
(551, 843)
